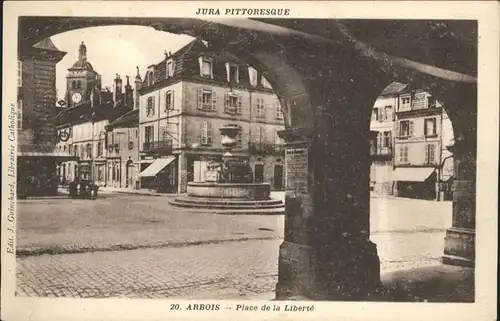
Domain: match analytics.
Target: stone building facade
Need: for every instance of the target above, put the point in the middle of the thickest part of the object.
(85, 122)
(409, 151)
(186, 98)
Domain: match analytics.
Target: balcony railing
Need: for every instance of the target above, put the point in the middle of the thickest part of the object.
(381, 151)
(162, 146)
(266, 148)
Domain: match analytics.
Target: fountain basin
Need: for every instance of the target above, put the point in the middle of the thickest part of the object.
(243, 191)
(230, 198)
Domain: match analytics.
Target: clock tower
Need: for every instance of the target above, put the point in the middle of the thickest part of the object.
(83, 83)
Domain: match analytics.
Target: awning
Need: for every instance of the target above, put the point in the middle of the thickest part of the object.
(412, 174)
(156, 166)
(145, 161)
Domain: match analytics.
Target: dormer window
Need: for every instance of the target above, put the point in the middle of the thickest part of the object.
(253, 75)
(170, 68)
(151, 78)
(232, 71)
(206, 67)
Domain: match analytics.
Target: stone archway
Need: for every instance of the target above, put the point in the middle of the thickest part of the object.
(327, 84)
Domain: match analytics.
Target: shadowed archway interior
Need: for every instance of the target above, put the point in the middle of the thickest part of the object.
(327, 74)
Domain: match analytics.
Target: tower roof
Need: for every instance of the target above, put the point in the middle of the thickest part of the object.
(82, 63)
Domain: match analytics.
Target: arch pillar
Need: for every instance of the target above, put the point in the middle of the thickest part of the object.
(327, 253)
(459, 248)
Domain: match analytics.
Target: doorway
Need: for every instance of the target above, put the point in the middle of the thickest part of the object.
(259, 173)
(278, 177)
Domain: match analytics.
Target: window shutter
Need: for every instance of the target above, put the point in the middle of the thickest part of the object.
(203, 136)
(172, 100)
(200, 98)
(214, 100)
(427, 153)
(381, 114)
(240, 104)
(380, 140)
(153, 104)
(410, 128)
(209, 133)
(227, 103)
(228, 72)
(426, 131)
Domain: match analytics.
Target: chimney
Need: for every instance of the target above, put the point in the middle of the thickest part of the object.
(129, 94)
(118, 88)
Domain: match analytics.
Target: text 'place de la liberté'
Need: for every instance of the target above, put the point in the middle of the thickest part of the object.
(247, 307)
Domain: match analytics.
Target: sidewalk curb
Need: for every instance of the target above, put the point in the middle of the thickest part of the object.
(78, 249)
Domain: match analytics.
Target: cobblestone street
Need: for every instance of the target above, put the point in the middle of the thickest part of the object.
(227, 269)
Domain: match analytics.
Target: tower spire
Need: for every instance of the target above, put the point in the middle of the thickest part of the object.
(138, 76)
(82, 52)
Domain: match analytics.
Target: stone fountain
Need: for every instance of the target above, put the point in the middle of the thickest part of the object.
(228, 187)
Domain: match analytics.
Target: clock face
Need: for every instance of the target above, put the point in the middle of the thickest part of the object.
(77, 97)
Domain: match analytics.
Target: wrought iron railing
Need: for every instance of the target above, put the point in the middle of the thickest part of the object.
(157, 146)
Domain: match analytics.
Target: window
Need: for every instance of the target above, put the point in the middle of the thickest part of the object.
(405, 128)
(387, 139)
(82, 151)
(206, 133)
(170, 68)
(150, 108)
(88, 150)
(403, 154)
(207, 100)
(260, 111)
(99, 149)
(233, 104)
(73, 84)
(430, 127)
(19, 114)
(375, 114)
(405, 103)
(78, 84)
(206, 67)
(279, 110)
(151, 78)
(70, 149)
(431, 102)
(19, 73)
(164, 134)
(148, 134)
(169, 100)
(253, 75)
(232, 71)
(388, 113)
(430, 154)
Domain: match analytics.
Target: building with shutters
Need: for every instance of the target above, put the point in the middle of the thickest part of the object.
(100, 153)
(409, 150)
(186, 98)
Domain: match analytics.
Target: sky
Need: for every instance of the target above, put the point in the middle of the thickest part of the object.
(115, 49)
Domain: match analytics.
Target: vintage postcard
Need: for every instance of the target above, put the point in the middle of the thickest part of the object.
(244, 160)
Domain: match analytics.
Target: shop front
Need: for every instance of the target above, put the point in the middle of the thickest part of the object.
(37, 170)
(160, 174)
